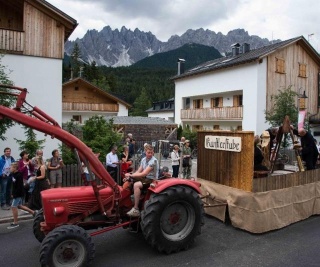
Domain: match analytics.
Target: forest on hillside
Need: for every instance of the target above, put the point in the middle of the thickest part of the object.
(143, 83)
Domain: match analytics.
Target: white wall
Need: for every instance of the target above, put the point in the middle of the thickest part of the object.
(43, 79)
(123, 110)
(249, 78)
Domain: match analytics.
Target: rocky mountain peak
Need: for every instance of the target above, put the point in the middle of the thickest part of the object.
(122, 48)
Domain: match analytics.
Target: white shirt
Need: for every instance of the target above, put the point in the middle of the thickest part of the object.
(110, 158)
(175, 157)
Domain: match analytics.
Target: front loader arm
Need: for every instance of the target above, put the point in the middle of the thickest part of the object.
(37, 119)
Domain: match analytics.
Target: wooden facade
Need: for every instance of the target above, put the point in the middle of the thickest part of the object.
(34, 28)
(80, 95)
(234, 169)
(293, 57)
(219, 113)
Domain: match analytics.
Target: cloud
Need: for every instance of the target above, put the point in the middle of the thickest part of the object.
(268, 19)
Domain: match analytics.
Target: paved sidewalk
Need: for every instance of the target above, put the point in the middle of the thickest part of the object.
(6, 216)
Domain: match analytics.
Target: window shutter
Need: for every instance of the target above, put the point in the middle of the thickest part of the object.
(236, 101)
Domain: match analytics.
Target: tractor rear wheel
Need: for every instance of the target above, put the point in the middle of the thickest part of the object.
(172, 219)
(39, 235)
(67, 245)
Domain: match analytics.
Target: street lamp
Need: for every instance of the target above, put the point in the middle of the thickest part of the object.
(302, 100)
(309, 35)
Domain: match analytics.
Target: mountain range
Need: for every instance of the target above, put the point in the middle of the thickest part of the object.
(114, 48)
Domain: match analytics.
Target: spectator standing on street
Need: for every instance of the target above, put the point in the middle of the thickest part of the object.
(55, 165)
(175, 158)
(112, 162)
(5, 179)
(132, 145)
(41, 184)
(187, 163)
(17, 193)
(26, 167)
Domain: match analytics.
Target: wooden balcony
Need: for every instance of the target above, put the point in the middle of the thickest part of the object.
(224, 113)
(70, 106)
(11, 40)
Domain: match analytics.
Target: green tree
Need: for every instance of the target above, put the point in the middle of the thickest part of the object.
(67, 153)
(75, 60)
(190, 135)
(31, 144)
(282, 104)
(100, 135)
(5, 100)
(141, 104)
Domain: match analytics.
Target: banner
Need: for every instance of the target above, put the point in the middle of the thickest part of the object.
(301, 117)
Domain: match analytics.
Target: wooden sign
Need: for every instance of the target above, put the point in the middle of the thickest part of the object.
(226, 143)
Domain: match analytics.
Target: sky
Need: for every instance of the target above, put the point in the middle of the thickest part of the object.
(271, 19)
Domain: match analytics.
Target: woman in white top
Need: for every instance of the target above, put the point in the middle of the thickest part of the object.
(175, 161)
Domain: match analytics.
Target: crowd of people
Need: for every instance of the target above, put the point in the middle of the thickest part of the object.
(23, 180)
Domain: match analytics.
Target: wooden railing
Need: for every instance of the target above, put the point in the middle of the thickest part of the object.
(223, 113)
(12, 41)
(89, 107)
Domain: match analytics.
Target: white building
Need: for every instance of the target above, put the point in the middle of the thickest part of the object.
(232, 93)
(162, 109)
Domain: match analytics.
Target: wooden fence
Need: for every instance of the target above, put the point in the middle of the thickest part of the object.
(285, 180)
(71, 175)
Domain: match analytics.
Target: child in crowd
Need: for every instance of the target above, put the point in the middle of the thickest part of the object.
(17, 193)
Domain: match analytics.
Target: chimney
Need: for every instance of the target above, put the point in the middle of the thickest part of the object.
(245, 48)
(71, 76)
(181, 62)
(235, 49)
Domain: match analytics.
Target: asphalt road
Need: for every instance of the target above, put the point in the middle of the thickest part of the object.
(218, 245)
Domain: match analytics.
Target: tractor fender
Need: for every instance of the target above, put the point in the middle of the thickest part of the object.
(158, 186)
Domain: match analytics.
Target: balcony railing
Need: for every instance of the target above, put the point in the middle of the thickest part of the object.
(68, 106)
(11, 41)
(224, 113)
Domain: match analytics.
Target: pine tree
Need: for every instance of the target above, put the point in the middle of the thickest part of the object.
(31, 144)
(75, 60)
(141, 104)
(5, 100)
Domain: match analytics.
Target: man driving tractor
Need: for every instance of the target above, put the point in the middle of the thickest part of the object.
(143, 177)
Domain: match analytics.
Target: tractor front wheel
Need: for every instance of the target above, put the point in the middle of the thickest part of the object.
(67, 245)
(172, 219)
(39, 235)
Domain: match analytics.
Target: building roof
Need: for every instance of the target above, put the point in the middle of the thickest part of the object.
(109, 95)
(251, 56)
(69, 23)
(139, 120)
(152, 110)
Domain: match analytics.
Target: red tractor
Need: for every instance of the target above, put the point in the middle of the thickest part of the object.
(172, 211)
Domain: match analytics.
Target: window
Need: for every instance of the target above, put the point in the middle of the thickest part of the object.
(197, 127)
(216, 102)
(76, 118)
(237, 101)
(302, 70)
(187, 106)
(76, 88)
(198, 103)
(280, 65)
